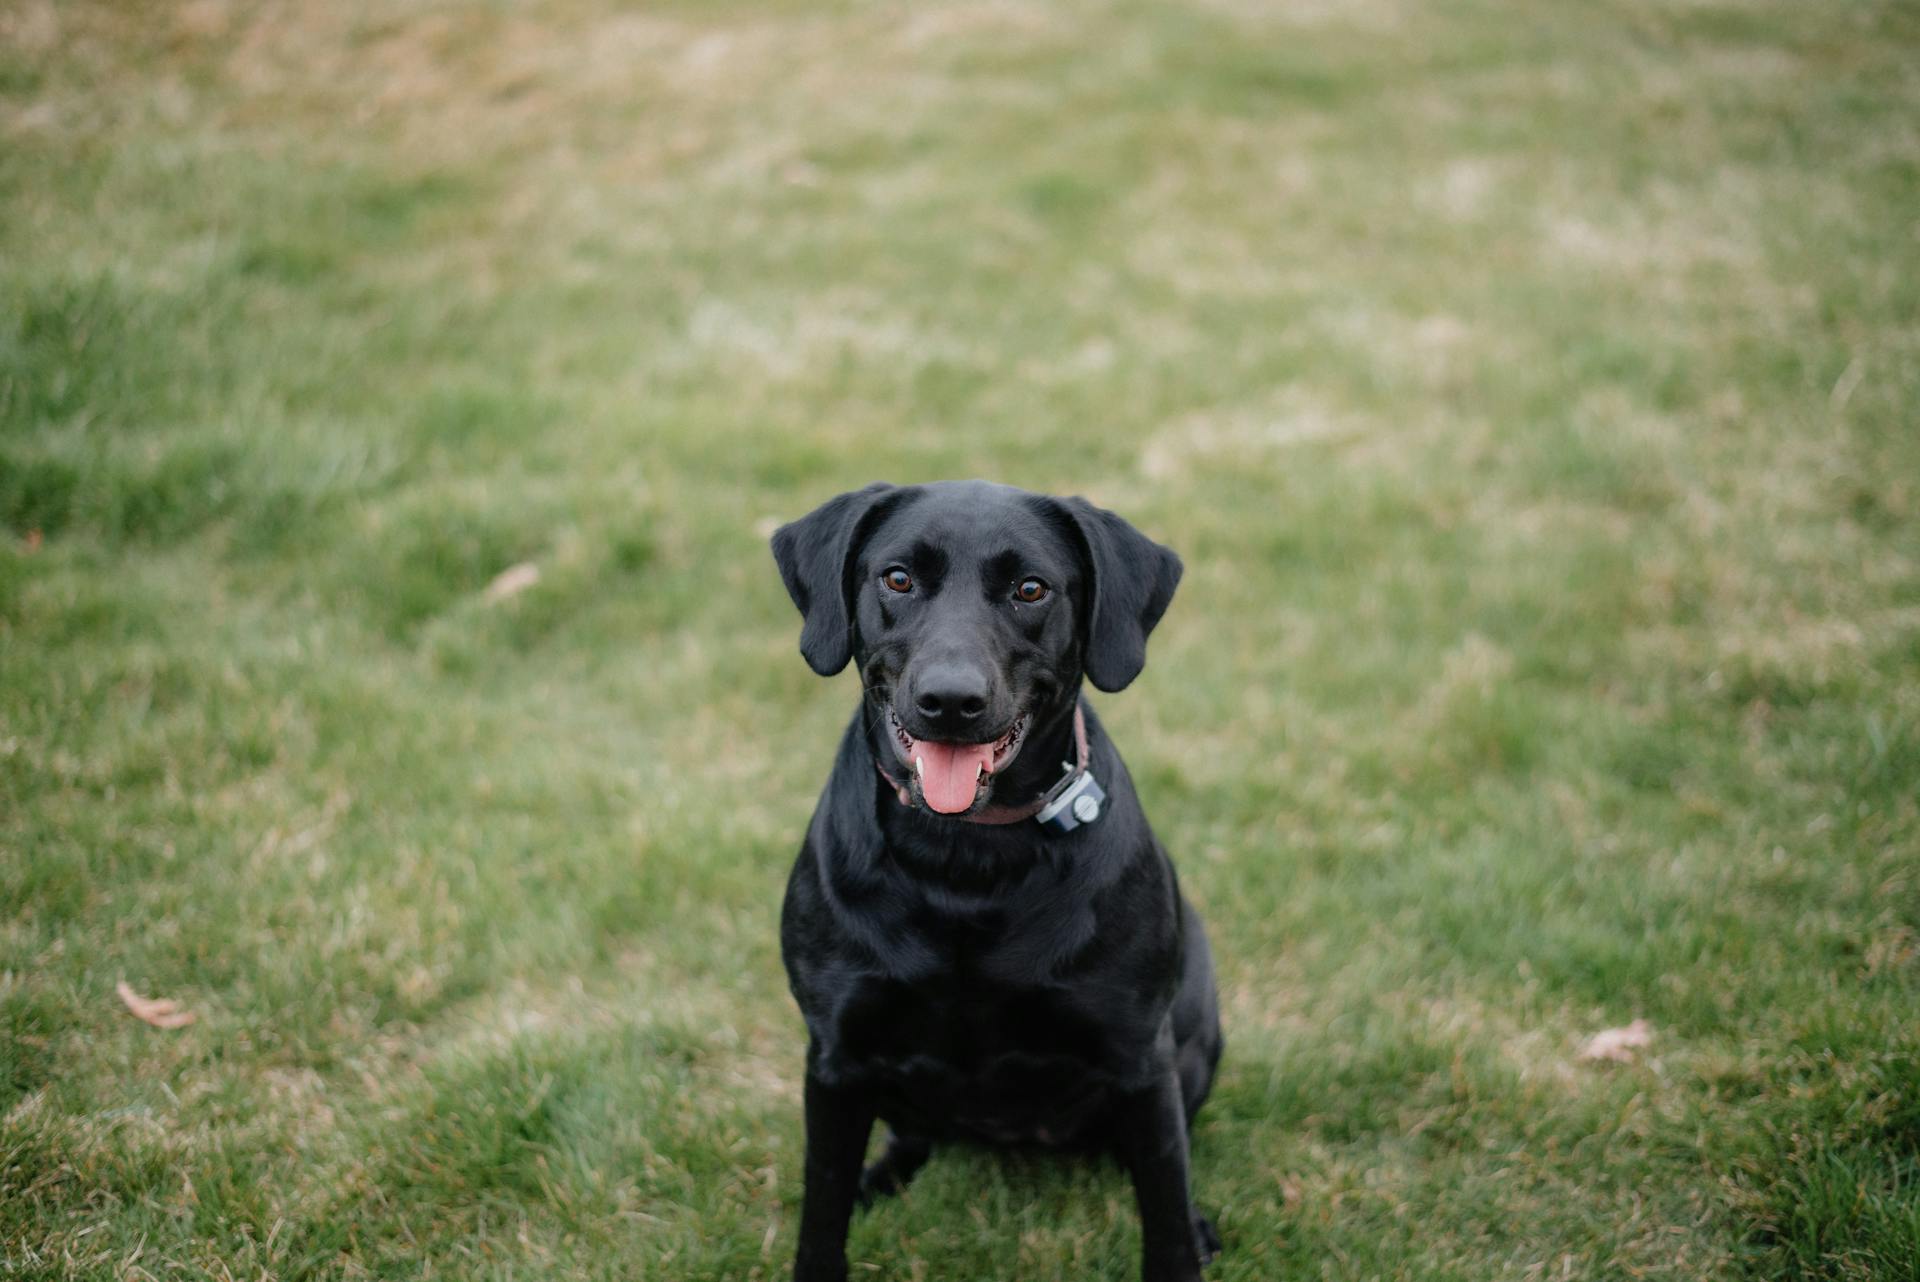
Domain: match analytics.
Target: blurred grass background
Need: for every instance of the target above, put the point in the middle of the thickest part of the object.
(1531, 390)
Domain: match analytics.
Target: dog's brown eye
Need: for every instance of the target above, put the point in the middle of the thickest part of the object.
(897, 579)
(1031, 590)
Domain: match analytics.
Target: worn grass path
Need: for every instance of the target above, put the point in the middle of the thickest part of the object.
(1531, 389)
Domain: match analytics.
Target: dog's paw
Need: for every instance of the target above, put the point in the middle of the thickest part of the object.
(1206, 1240)
(896, 1167)
(877, 1182)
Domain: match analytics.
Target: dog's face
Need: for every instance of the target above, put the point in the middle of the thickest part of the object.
(973, 611)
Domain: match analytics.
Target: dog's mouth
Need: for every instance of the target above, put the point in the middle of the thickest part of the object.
(951, 777)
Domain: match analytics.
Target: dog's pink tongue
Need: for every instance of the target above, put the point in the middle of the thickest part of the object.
(949, 772)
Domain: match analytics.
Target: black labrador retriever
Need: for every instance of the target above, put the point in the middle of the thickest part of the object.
(986, 940)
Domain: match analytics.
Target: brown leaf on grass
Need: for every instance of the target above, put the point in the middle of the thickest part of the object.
(1618, 1044)
(161, 1012)
(511, 582)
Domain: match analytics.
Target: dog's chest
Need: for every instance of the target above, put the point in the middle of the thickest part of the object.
(962, 1023)
(1005, 1064)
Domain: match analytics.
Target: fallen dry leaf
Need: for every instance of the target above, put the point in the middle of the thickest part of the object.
(1618, 1044)
(161, 1012)
(511, 582)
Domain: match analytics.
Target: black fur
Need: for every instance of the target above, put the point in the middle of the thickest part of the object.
(970, 982)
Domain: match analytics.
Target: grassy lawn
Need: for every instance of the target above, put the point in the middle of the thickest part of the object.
(1533, 391)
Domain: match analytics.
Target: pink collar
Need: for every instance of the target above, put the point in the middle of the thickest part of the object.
(1014, 814)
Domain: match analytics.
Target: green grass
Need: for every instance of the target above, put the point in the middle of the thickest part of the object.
(1530, 389)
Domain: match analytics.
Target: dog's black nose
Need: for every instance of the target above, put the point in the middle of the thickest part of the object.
(951, 697)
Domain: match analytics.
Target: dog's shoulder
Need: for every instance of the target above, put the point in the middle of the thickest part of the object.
(844, 910)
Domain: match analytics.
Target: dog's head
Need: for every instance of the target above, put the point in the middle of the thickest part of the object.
(973, 610)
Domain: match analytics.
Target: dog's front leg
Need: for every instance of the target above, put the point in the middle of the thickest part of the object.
(1153, 1145)
(839, 1121)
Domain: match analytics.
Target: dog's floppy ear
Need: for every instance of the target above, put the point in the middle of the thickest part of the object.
(812, 554)
(1133, 583)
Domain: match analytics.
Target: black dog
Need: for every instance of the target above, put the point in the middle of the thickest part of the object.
(984, 937)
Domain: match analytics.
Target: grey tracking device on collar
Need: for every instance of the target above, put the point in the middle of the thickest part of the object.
(1080, 802)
